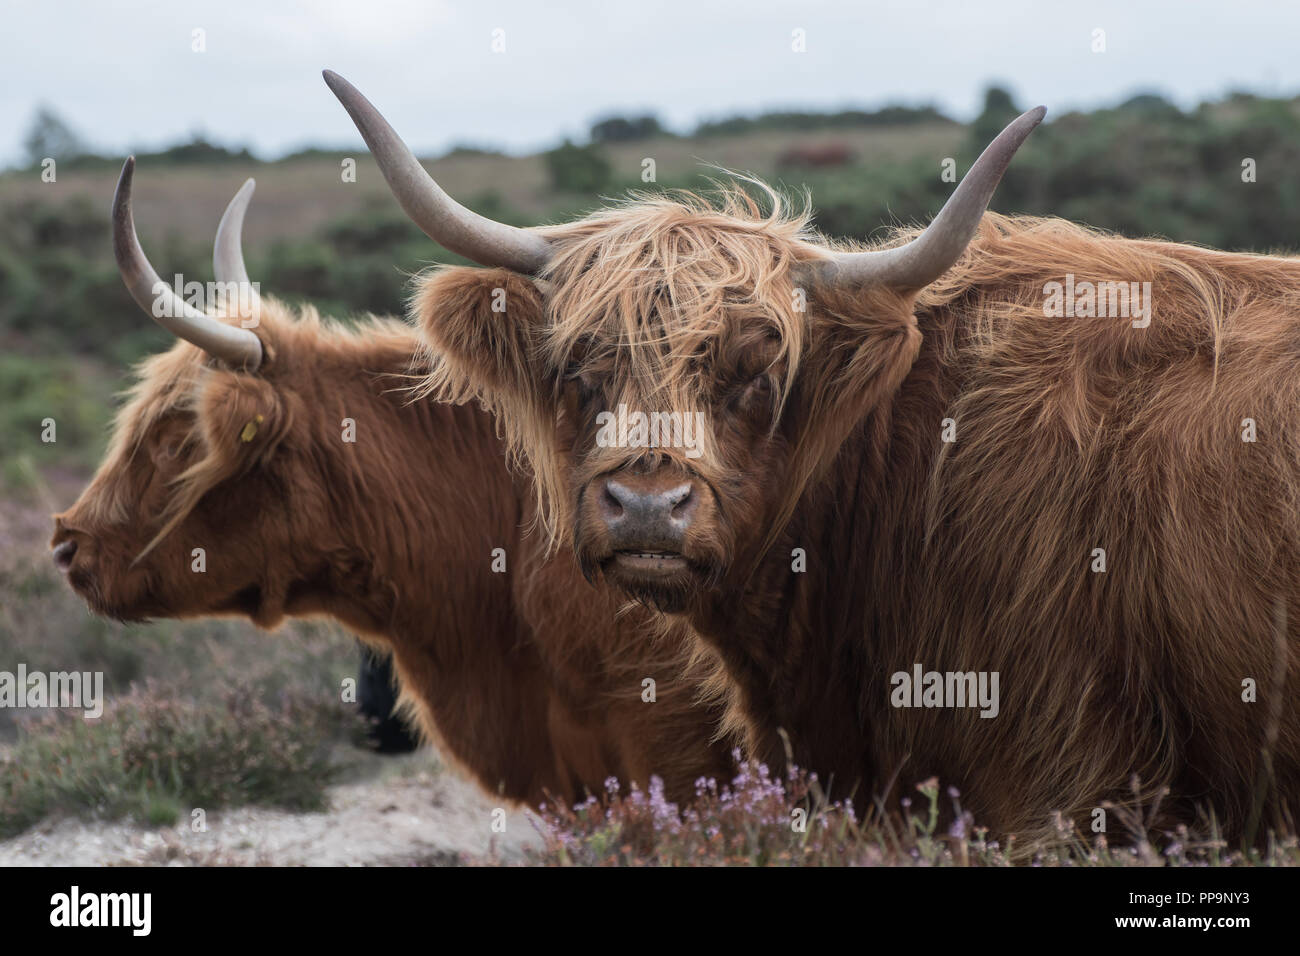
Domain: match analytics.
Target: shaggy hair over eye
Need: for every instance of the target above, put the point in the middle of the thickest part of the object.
(653, 278)
(638, 291)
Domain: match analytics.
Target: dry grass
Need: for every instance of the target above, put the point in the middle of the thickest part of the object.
(297, 197)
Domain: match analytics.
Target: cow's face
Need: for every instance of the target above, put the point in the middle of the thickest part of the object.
(673, 381)
(660, 313)
(186, 507)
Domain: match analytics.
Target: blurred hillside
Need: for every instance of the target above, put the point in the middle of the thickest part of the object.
(1142, 168)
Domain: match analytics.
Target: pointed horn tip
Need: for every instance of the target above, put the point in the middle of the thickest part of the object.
(128, 170)
(347, 94)
(1026, 122)
(244, 194)
(121, 206)
(1014, 135)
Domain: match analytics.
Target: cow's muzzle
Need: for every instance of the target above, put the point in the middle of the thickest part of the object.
(646, 519)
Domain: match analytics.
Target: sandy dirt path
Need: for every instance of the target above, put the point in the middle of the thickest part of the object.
(411, 813)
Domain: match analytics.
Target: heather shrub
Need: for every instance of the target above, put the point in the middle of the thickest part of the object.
(759, 819)
(152, 756)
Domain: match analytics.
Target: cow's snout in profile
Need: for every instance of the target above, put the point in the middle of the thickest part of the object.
(646, 518)
(71, 548)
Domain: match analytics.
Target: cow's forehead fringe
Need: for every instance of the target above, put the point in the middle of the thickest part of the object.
(645, 287)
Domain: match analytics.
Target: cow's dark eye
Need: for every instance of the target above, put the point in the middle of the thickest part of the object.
(582, 388)
(755, 396)
(167, 450)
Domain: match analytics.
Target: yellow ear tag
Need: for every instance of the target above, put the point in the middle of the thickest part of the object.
(250, 430)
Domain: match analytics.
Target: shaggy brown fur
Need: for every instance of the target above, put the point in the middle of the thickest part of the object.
(825, 435)
(524, 677)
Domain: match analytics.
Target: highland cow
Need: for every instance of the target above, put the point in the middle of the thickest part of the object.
(815, 157)
(912, 468)
(234, 448)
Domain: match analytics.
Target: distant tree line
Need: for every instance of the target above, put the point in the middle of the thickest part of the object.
(1223, 174)
(50, 136)
(844, 119)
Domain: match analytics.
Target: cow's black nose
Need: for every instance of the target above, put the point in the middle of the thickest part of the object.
(64, 553)
(647, 516)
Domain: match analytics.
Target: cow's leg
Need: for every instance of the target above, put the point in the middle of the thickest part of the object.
(376, 697)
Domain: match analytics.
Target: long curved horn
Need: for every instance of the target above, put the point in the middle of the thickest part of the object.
(442, 219)
(228, 250)
(934, 251)
(238, 348)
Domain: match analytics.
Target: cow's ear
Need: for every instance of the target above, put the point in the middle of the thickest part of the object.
(864, 345)
(480, 326)
(243, 418)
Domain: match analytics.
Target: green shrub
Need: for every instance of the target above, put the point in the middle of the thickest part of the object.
(578, 169)
(151, 756)
(34, 390)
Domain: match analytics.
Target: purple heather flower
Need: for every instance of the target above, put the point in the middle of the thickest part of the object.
(960, 826)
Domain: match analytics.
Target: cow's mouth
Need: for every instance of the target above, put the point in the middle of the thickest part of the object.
(663, 580)
(87, 587)
(650, 563)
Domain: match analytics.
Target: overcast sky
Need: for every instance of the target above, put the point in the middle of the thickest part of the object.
(124, 74)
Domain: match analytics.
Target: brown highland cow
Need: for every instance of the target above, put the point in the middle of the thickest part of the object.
(234, 442)
(921, 484)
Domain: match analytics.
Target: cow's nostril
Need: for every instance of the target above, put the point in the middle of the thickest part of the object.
(680, 501)
(613, 504)
(64, 553)
(645, 516)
